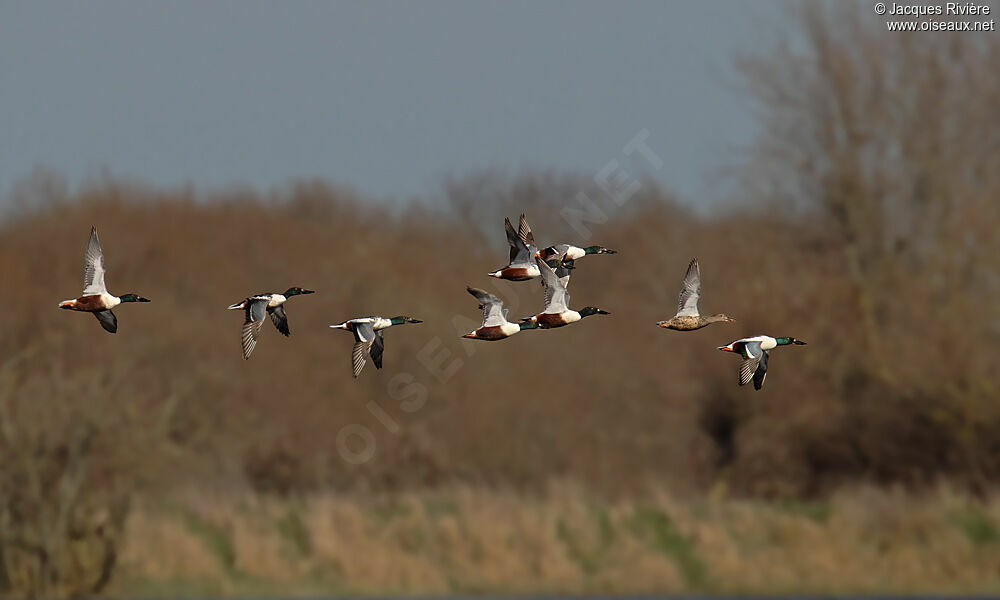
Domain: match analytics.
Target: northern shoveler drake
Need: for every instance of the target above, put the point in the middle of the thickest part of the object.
(557, 312)
(522, 253)
(256, 307)
(495, 324)
(567, 253)
(687, 317)
(95, 298)
(754, 353)
(368, 338)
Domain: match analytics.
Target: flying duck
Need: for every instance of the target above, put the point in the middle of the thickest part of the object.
(754, 353)
(95, 298)
(687, 317)
(495, 324)
(567, 253)
(557, 312)
(522, 253)
(256, 307)
(368, 338)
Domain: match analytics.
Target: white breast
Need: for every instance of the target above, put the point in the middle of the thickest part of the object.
(510, 328)
(276, 300)
(574, 253)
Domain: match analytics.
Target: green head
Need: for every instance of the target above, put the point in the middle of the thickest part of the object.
(528, 324)
(599, 250)
(784, 341)
(295, 291)
(132, 298)
(592, 310)
(402, 320)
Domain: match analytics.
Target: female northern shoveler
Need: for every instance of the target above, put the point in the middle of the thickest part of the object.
(368, 338)
(557, 312)
(95, 298)
(687, 317)
(522, 253)
(256, 307)
(495, 324)
(567, 253)
(754, 353)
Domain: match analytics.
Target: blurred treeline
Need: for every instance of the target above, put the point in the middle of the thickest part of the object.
(870, 227)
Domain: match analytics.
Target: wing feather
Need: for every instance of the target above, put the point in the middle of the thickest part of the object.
(93, 266)
(279, 319)
(687, 302)
(108, 320)
(255, 310)
(494, 312)
(358, 356)
(378, 347)
(556, 297)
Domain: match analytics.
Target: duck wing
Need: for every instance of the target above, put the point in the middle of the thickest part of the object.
(753, 356)
(93, 266)
(760, 373)
(255, 309)
(524, 232)
(556, 296)
(687, 302)
(279, 319)
(378, 347)
(364, 336)
(108, 320)
(520, 254)
(493, 310)
(563, 272)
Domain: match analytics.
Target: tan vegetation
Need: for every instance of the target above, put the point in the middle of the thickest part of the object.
(471, 541)
(870, 231)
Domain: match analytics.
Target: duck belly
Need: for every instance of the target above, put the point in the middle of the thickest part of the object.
(93, 303)
(551, 320)
(497, 332)
(519, 273)
(686, 323)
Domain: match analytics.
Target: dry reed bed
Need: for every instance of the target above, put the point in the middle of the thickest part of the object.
(473, 540)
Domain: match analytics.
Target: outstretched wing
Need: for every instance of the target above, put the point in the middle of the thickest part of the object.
(519, 252)
(760, 373)
(755, 358)
(556, 297)
(108, 320)
(364, 337)
(93, 267)
(378, 347)
(524, 232)
(687, 302)
(279, 319)
(493, 310)
(255, 310)
(563, 272)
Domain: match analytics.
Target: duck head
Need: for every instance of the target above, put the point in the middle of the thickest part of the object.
(132, 298)
(404, 319)
(295, 291)
(592, 310)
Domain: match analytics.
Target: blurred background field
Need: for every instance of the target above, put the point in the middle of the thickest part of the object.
(610, 457)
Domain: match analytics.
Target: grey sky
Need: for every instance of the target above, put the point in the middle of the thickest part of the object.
(387, 97)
